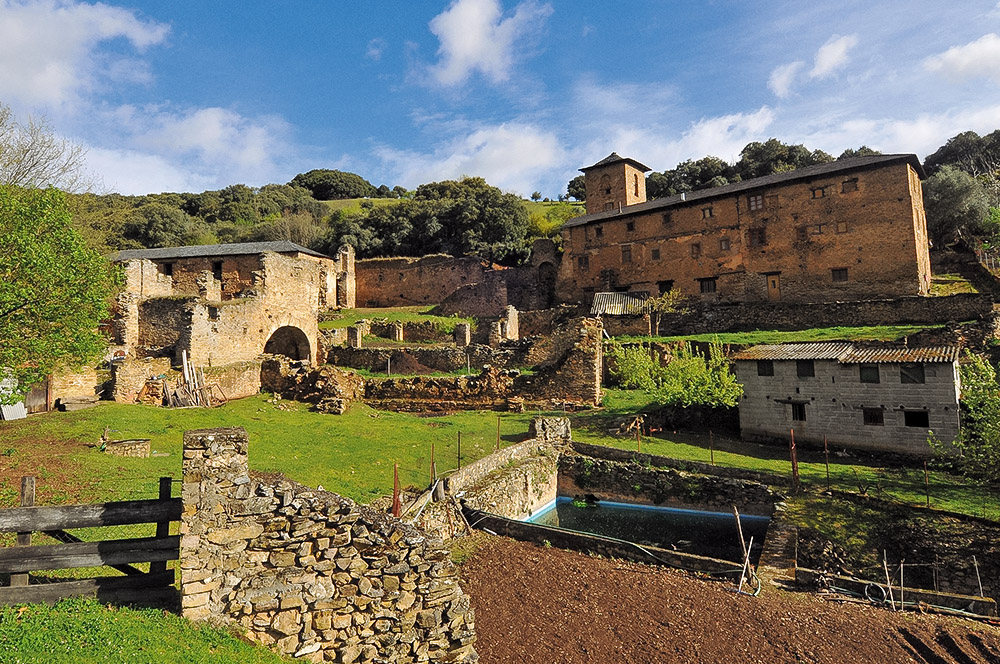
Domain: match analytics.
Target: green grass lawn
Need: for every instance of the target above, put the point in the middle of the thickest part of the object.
(950, 284)
(415, 314)
(76, 630)
(865, 333)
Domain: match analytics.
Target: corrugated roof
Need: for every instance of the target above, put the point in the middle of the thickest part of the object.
(809, 351)
(614, 158)
(804, 173)
(201, 251)
(619, 304)
(848, 353)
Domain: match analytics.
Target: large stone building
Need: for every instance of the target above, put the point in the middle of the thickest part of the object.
(876, 398)
(847, 230)
(228, 303)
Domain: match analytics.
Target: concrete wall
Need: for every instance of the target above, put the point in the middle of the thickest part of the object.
(309, 573)
(834, 400)
(875, 231)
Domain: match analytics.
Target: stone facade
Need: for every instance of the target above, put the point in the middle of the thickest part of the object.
(309, 573)
(855, 398)
(848, 230)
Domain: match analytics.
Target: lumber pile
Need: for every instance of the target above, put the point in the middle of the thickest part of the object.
(190, 390)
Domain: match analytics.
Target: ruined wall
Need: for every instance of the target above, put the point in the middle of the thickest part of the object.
(130, 375)
(487, 297)
(635, 483)
(847, 235)
(444, 359)
(309, 573)
(144, 278)
(739, 317)
(572, 375)
(161, 322)
(394, 282)
(237, 380)
(67, 383)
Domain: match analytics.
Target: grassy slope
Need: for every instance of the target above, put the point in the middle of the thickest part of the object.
(77, 630)
(864, 333)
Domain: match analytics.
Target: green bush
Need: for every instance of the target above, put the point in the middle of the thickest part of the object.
(688, 379)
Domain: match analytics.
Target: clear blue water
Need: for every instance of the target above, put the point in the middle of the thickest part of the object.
(703, 533)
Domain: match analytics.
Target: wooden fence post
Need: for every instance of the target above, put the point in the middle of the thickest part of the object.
(162, 527)
(24, 539)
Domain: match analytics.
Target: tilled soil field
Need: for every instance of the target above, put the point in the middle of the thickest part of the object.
(547, 606)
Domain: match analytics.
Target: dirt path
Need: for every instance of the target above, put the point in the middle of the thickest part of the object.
(538, 605)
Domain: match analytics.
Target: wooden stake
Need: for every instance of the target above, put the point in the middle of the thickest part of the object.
(826, 452)
(638, 438)
(498, 434)
(460, 450)
(24, 539)
(746, 566)
(711, 452)
(888, 581)
(901, 586)
(388, 366)
(795, 460)
(434, 473)
(396, 504)
(739, 529)
(927, 485)
(978, 580)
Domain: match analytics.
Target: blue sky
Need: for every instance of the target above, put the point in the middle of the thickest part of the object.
(188, 96)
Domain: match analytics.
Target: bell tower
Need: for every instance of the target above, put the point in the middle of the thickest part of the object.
(614, 182)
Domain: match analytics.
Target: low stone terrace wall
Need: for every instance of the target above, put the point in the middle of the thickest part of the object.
(309, 573)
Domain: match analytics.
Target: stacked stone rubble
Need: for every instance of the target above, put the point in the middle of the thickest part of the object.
(309, 573)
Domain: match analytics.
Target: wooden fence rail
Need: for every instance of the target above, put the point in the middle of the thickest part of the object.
(72, 552)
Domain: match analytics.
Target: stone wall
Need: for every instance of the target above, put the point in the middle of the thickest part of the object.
(237, 380)
(131, 374)
(128, 448)
(572, 375)
(309, 573)
(439, 358)
(740, 317)
(394, 282)
(161, 321)
(487, 297)
(635, 483)
(67, 383)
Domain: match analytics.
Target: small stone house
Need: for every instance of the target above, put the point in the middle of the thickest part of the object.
(880, 398)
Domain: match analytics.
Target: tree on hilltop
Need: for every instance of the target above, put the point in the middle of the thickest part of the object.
(329, 185)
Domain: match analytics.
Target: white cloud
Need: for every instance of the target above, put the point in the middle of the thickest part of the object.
(375, 49)
(132, 172)
(977, 58)
(50, 49)
(475, 36)
(512, 156)
(780, 81)
(832, 55)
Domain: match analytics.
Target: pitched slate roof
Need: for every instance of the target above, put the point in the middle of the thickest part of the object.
(614, 158)
(619, 304)
(207, 250)
(804, 173)
(848, 353)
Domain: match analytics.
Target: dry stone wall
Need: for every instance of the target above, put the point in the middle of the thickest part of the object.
(309, 573)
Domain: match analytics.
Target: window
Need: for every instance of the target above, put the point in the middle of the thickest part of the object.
(841, 226)
(819, 192)
(917, 418)
(654, 254)
(665, 286)
(583, 263)
(805, 368)
(911, 372)
(668, 217)
(707, 285)
(724, 244)
(869, 373)
(627, 253)
(609, 205)
(849, 186)
(873, 416)
(213, 313)
(706, 213)
(799, 412)
(598, 231)
(755, 202)
(217, 270)
(758, 237)
(167, 269)
(802, 234)
(635, 183)
(696, 250)
(629, 226)
(765, 368)
(838, 274)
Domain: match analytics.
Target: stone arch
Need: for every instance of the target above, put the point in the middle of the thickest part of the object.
(289, 341)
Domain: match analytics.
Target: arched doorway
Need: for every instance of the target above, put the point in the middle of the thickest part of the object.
(290, 342)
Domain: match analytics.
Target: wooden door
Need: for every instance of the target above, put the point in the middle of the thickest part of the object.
(774, 286)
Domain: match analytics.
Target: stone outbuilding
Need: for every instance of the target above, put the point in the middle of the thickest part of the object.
(879, 398)
(228, 303)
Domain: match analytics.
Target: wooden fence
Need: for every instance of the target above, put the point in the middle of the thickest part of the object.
(154, 586)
